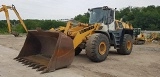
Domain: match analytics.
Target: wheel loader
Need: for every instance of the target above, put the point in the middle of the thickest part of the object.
(48, 50)
(139, 37)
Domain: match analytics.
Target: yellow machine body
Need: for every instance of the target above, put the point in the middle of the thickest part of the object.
(55, 48)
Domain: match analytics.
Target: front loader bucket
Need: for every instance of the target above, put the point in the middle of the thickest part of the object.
(46, 51)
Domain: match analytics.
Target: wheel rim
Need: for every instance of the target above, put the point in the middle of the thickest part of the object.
(102, 48)
(129, 45)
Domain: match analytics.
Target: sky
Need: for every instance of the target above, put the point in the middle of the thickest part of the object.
(65, 9)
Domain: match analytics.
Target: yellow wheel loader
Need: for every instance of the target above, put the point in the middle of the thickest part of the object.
(48, 50)
(5, 8)
(139, 37)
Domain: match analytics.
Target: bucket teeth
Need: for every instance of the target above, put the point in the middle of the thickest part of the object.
(18, 59)
(21, 60)
(41, 68)
(15, 58)
(32, 64)
(28, 63)
(44, 71)
(36, 66)
(25, 62)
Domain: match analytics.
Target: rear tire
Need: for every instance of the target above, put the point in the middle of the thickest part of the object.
(78, 51)
(127, 44)
(97, 47)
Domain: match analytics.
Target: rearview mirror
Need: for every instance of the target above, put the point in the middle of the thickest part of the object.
(89, 9)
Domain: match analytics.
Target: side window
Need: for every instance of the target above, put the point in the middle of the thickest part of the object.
(109, 17)
(139, 31)
(112, 14)
(120, 25)
(106, 17)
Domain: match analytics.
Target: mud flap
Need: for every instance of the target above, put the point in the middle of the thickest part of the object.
(46, 51)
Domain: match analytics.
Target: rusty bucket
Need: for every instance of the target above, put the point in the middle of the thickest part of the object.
(46, 51)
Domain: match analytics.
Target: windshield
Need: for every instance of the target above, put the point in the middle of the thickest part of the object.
(97, 15)
(136, 31)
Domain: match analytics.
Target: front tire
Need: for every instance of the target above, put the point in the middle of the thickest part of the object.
(97, 47)
(127, 45)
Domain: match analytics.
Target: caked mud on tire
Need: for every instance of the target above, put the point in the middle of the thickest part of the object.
(97, 47)
(127, 44)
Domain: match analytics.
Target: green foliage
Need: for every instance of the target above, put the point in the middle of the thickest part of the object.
(18, 28)
(51, 24)
(3, 27)
(30, 24)
(82, 18)
(3, 30)
(147, 18)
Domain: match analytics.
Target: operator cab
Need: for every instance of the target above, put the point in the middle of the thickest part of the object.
(136, 31)
(103, 15)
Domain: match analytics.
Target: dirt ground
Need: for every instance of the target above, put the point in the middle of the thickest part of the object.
(144, 61)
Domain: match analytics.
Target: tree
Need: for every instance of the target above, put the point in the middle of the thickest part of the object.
(147, 18)
(82, 18)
